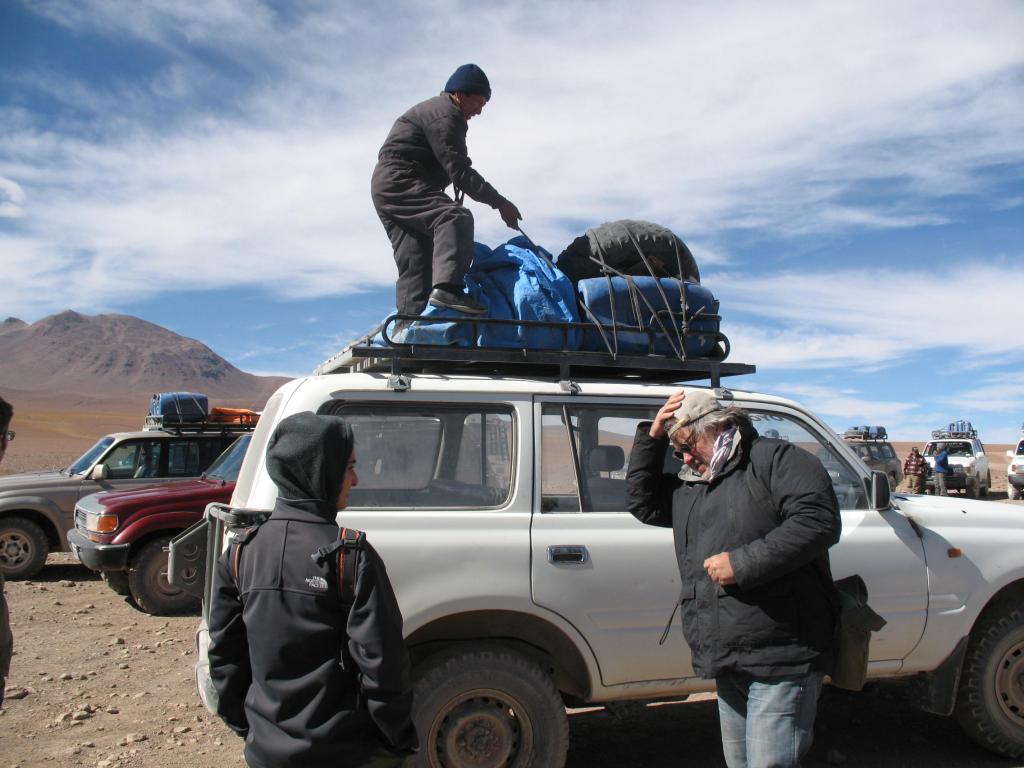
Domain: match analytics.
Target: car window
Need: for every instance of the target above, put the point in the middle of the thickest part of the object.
(137, 459)
(86, 459)
(1020, 448)
(182, 458)
(228, 464)
(430, 457)
(585, 451)
(886, 451)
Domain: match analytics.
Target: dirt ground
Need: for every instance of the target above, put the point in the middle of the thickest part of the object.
(95, 682)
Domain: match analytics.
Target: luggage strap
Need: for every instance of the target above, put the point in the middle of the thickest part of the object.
(349, 544)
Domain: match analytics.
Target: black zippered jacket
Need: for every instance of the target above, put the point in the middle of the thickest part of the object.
(773, 509)
(308, 681)
(426, 151)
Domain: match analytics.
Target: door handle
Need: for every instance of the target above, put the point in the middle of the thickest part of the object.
(575, 554)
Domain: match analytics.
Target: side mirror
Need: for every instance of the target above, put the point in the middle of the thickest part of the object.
(1009, 454)
(879, 491)
(99, 472)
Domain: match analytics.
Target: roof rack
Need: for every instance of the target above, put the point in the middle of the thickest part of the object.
(956, 429)
(156, 424)
(388, 355)
(878, 434)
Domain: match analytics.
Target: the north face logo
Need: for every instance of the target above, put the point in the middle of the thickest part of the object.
(319, 583)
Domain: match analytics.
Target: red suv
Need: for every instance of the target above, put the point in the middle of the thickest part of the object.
(125, 534)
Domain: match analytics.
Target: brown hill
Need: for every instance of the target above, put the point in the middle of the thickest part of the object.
(118, 355)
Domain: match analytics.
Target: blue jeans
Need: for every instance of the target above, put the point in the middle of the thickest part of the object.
(767, 722)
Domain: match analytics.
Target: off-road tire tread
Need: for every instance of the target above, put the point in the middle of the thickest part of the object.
(147, 598)
(34, 531)
(971, 710)
(117, 581)
(551, 730)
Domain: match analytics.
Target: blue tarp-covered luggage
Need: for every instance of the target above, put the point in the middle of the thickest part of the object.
(654, 304)
(514, 283)
(179, 407)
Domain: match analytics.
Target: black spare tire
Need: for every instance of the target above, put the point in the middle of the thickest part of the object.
(619, 244)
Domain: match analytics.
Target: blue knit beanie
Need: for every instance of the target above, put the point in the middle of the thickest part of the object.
(469, 78)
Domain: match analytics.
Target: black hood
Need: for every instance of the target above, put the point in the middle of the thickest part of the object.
(307, 458)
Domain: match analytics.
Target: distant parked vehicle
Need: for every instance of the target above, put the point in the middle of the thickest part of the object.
(37, 508)
(968, 463)
(124, 534)
(874, 449)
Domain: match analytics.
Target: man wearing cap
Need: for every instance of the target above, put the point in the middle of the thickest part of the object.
(432, 234)
(753, 519)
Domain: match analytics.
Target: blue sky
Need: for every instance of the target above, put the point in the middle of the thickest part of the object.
(849, 176)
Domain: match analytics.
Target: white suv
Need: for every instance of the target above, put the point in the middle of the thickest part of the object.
(1015, 471)
(968, 463)
(498, 504)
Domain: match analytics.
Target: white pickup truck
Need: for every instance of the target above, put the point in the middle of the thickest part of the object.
(497, 501)
(968, 462)
(1015, 471)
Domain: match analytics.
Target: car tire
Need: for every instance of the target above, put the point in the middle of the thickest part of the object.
(117, 581)
(971, 489)
(147, 580)
(990, 702)
(986, 487)
(487, 705)
(23, 548)
(1011, 492)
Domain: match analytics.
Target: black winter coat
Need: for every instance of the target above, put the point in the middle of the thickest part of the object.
(306, 683)
(426, 151)
(773, 509)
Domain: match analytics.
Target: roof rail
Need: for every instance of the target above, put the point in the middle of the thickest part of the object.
(956, 429)
(378, 351)
(156, 424)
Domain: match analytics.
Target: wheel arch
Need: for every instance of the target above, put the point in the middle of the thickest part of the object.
(43, 520)
(1010, 594)
(532, 635)
(148, 536)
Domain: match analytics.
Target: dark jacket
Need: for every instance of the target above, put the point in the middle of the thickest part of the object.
(773, 509)
(426, 151)
(306, 681)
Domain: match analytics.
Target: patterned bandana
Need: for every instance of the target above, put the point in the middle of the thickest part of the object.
(725, 447)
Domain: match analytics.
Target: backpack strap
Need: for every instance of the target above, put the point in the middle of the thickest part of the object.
(348, 546)
(241, 537)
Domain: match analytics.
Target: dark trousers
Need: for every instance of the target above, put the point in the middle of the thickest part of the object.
(431, 235)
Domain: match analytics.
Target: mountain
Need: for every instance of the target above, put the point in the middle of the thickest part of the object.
(118, 356)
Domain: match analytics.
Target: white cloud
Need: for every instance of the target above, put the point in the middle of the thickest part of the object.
(701, 116)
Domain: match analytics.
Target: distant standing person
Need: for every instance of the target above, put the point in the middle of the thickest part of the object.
(6, 638)
(753, 519)
(941, 469)
(431, 233)
(914, 469)
(309, 675)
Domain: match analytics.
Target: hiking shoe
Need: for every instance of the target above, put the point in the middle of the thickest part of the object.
(460, 302)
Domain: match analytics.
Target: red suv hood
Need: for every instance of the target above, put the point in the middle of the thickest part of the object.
(184, 492)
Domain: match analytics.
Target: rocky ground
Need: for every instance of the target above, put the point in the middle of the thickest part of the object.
(96, 683)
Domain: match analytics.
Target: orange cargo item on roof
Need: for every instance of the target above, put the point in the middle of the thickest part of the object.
(233, 416)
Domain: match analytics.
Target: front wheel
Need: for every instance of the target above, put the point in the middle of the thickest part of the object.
(117, 581)
(487, 707)
(23, 548)
(149, 586)
(1012, 492)
(990, 702)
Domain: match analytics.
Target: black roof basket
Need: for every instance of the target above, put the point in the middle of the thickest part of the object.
(397, 357)
(156, 423)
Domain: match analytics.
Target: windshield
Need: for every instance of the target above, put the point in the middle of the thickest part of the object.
(225, 467)
(87, 459)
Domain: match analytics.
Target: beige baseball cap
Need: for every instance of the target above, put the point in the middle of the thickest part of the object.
(696, 403)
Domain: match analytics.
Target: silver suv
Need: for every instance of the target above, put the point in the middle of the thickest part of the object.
(37, 509)
(497, 500)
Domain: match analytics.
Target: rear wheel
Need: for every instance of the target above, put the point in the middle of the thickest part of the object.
(487, 707)
(149, 586)
(990, 702)
(1012, 492)
(986, 487)
(23, 548)
(971, 489)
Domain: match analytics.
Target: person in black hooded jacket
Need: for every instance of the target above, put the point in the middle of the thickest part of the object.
(753, 519)
(306, 680)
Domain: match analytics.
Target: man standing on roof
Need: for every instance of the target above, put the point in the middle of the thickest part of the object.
(753, 519)
(432, 234)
